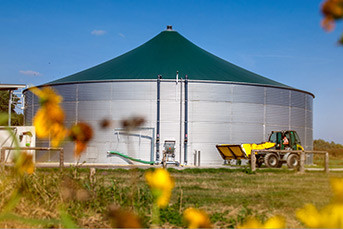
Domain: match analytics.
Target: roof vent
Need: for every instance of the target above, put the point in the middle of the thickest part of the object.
(169, 28)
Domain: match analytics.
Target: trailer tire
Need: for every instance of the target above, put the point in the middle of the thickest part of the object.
(271, 160)
(293, 161)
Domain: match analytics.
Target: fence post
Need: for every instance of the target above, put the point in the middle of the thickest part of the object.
(195, 157)
(61, 157)
(326, 161)
(2, 157)
(302, 162)
(199, 158)
(253, 161)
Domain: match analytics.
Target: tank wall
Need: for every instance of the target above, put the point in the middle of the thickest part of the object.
(219, 113)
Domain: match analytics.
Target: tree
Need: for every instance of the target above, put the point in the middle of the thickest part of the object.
(16, 119)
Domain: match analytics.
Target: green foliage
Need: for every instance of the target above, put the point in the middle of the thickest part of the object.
(16, 119)
(321, 144)
(335, 150)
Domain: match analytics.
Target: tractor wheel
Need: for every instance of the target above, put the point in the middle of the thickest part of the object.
(271, 160)
(293, 161)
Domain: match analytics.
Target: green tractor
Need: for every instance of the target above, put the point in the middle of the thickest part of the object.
(284, 140)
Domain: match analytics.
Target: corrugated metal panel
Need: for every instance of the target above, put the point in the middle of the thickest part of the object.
(28, 113)
(309, 102)
(135, 90)
(247, 113)
(297, 99)
(93, 110)
(205, 111)
(276, 96)
(28, 98)
(246, 133)
(204, 92)
(208, 154)
(297, 117)
(68, 92)
(309, 119)
(94, 91)
(122, 109)
(248, 94)
(216, 133)
(70, 111)
(277, 115)
(309, 139)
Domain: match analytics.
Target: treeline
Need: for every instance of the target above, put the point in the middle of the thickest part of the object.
(334, 149)
(17, 119)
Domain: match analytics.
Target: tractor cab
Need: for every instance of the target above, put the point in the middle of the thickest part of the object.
(288, 139)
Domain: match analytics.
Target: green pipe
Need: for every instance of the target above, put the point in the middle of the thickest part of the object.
(131, 158)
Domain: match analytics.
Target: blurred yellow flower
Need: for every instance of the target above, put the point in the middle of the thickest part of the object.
(50, 116)
(331, 216)
(23, 163)
(81, 133)
(273, 222)
(196, 218)
(161, 185)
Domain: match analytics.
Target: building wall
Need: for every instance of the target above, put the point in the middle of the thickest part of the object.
(219, 113)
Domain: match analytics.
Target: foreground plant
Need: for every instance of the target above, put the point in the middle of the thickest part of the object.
(196, 218)
(49, 119)
(331, 216)
(273, 222)
(81, 133)
(332, 11)
(161, 185)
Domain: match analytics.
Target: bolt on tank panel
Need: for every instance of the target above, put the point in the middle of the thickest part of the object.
(248, 94)
(94, 92)
(68, 91)
(133, 91)
(206, 111)
(277, 115)
(276, 96)
(298, 99)
(247, 113)
(297, 117)
(204, 92)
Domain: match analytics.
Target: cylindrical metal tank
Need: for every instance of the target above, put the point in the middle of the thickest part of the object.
(225, 104)
(219, 112)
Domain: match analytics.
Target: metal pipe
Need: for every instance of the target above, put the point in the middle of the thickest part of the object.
(186, 119)
(10, 108)
(180, 150)
(159, 77)
(151, 138)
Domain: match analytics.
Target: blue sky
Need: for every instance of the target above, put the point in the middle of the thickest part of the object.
(282, 40)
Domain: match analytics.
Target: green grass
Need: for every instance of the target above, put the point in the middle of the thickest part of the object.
(229, 196)
(334, 162)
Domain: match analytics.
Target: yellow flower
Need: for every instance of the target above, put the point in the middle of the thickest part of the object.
(81, 133)
(196, 218)
(331, 216)
(49, 118)
(161, 185)
(23, 163)
(273, 222)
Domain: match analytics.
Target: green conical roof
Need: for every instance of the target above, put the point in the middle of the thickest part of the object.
(165, 54)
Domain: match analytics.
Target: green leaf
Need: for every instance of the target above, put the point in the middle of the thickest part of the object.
(66, 220)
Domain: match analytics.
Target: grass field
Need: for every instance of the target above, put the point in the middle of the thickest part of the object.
(228, 196)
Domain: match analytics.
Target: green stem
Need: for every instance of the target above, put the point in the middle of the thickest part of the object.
(155, 215)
